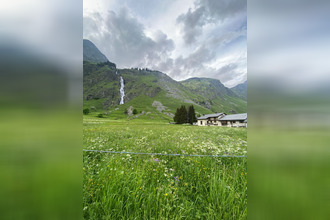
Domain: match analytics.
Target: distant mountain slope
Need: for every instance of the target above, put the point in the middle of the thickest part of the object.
(206, 87)
(241, 90)
(92, 53)
(215, 95)
(152, 93)
(102, 85)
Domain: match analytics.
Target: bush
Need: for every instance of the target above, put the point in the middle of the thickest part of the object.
(100, 115)
(135, 112)
(86, 111)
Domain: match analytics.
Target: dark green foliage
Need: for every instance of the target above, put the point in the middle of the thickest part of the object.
(109, 64)
(100, 115)
(135, 112)
(176, 116)
(181, 115)
(191, 115)
(86, 111)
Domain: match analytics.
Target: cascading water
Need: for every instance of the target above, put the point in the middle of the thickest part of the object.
(122, 92)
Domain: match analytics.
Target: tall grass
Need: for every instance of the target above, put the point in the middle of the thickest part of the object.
(118, 186)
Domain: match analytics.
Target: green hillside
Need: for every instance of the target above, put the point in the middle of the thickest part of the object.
(241, 90)
(152, 93)
(215, 96)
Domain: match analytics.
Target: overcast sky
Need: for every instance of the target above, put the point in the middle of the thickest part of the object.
(182, 38)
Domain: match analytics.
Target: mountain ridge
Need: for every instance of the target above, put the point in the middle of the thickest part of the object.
(241, 90)
(91, 53)
(145, 88)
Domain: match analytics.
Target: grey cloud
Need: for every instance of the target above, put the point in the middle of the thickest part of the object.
(185, 67)
(192, 24)
(196, 59)
(122, 39)
(228, 73)
(208, 11)
(194, 66)
(222, 9)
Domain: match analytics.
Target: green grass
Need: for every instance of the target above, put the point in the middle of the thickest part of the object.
(41, 176)
(121, 186)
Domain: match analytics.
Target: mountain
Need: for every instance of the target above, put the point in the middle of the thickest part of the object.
(154, 94)
(215, 95)
(148, 90)
(92, 53)
(241, 90)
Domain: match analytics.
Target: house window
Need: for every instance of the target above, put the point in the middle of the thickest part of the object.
(201, 122)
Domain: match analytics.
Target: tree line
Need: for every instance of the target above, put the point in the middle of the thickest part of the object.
(182, 115)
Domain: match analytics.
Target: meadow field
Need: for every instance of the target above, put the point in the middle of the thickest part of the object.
(128, 186)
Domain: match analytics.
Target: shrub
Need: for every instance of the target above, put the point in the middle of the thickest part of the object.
(135, 112)
(100, 115)
(86, 111)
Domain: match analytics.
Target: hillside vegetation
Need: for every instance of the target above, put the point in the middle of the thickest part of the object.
(143, 87)
(241, 90)
(152, 93)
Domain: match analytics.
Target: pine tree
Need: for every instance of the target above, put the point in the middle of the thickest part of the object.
(183, 115)
(176, 116)
(191, 115)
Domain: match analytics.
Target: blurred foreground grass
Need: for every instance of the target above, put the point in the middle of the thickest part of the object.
(288, 174)
(40, 164)
(289, 153)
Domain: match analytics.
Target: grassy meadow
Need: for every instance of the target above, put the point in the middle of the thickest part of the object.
(124, 186)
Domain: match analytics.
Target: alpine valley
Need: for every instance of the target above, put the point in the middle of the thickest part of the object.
(152, 93)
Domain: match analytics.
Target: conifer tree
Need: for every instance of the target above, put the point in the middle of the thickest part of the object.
(183, 115)
(191, 115)
(176, 116)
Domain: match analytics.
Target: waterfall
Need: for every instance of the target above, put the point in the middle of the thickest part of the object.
(122, 92)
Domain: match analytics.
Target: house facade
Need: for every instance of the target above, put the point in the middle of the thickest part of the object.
(235, 120)
(210, 119)
(221, 119)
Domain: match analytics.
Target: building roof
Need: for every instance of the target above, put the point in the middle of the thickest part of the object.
(234, 117)
(215, 115)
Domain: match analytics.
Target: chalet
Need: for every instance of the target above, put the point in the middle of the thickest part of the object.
(210, 119)
(235, 120)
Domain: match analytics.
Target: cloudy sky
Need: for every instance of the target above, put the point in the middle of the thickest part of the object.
(182, 38)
